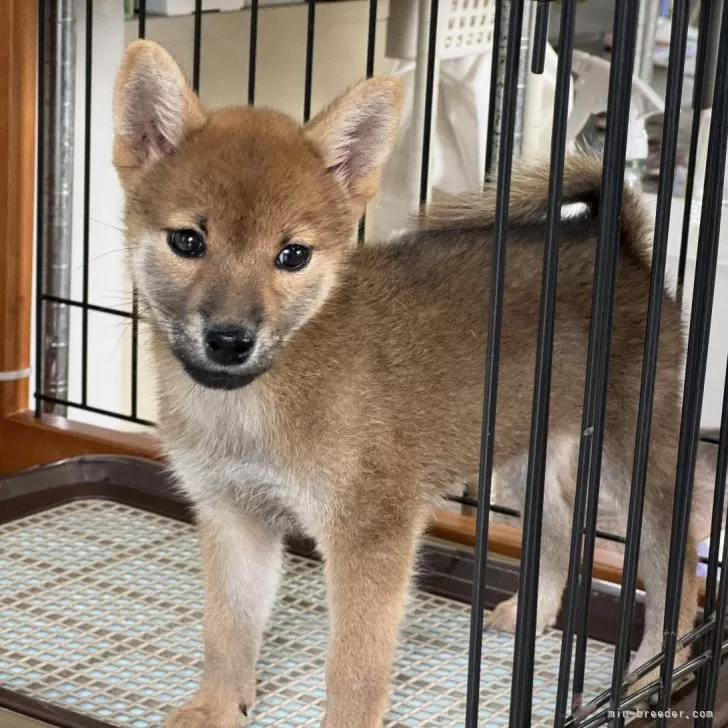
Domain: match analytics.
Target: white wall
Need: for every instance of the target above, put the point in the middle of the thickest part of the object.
(108, 337)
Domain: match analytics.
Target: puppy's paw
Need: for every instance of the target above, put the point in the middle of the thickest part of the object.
(199, 714)
(503, 617)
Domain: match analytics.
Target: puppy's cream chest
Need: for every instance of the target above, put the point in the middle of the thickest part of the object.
(222, 445)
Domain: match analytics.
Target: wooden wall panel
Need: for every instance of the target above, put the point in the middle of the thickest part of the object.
(17, 190)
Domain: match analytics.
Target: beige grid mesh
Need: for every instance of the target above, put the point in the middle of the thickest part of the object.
(100, 611)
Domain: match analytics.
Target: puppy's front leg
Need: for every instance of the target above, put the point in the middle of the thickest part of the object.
(241, 564)
(368, 578)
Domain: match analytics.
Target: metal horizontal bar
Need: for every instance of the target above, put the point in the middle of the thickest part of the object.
(94, 410)
(87, 306)
(648, 666)
(506, 511)
(638, 697)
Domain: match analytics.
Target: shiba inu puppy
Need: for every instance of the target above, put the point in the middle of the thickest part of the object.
(308, 384)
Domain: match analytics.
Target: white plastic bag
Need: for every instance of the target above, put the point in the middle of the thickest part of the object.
(458, 141)
(457, 157)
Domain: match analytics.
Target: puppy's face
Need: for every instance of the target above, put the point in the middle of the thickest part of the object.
(236, 240)
(238, 221)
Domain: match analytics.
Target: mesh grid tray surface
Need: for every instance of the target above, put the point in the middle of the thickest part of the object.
(101, 608)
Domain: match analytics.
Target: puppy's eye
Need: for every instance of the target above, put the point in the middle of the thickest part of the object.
(186, 243)
(293, 257)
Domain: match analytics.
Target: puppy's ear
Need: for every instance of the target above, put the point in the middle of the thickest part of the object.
(154, 107)
(356, 132)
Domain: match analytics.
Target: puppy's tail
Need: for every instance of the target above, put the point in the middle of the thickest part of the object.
(529, 202)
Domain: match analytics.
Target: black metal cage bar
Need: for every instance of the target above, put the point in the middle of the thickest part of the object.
(495, 320)
(708, 11)
(252, 51)
(525, 642)
(715, 605)
(708, 638)
(310, 29)
(371, 47)
(197, 47)
(40, 176)
(592, 427)
(697, 356)
(429, 99)
(86, 196)
(678, 43)
(142, 18)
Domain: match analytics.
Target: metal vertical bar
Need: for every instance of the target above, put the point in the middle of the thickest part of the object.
(135, 353)
(253, 51)
(142, 19)
(701, 314)
(39, 194)
(600, 334)
(371, 47)
(707, 24)
(708, 676)
(647, 63)
(197, 47)
(540, 36)
(497, 84)
(308, 82)
(640, 39)
(525, 49)
(371, 37)
(495, 320)
(429, 101)
(569, 609)
(525, 641)
(86, 198)
(711, 54)
(671, 121)
(56, 200)
(141, 33)
(713, 551)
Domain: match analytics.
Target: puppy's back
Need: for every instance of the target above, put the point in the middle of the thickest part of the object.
(405, 331)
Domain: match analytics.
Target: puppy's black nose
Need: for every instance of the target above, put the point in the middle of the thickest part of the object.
(228, 345)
